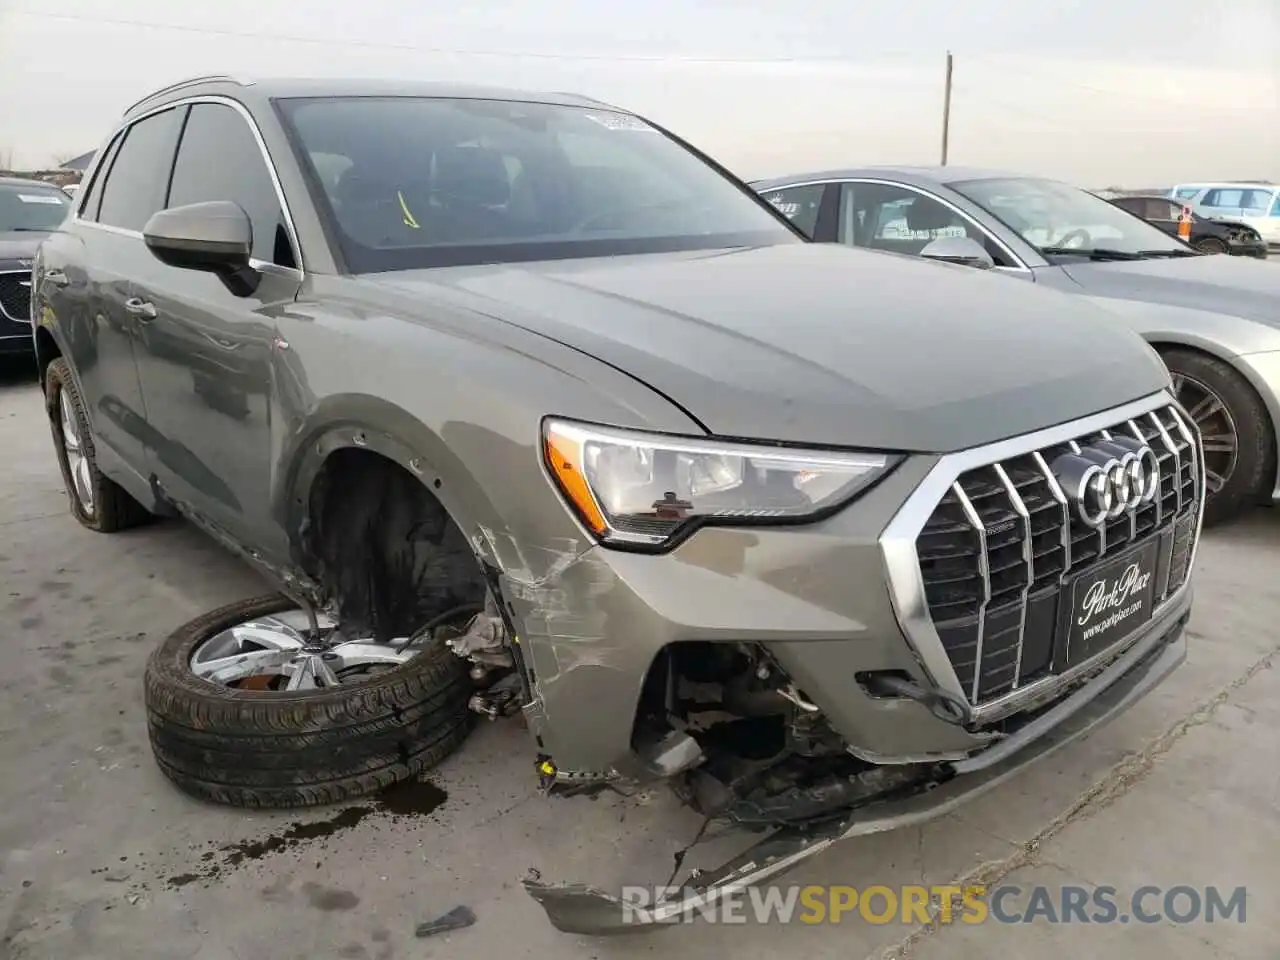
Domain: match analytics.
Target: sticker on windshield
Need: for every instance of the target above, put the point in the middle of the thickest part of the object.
(619, 121)
(40, 198)
(788, 208)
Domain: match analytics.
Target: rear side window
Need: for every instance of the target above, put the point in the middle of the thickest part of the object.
(1255, 201)
(135, 184)
(219, 159)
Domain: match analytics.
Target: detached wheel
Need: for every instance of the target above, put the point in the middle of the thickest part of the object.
(97, 502)
(1211, 245)
(1234, 426)
(241, 711)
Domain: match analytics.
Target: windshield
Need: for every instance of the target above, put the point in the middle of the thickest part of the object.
(31, 207)
(418, 182)
(1055, 217)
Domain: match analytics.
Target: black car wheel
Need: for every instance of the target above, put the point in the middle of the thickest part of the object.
(1211, 245)
(1234, 428)
(96, 501)
(246, 707)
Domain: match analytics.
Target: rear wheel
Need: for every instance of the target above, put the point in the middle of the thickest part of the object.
(1234, 426)
(1211, 245)
(245, 707)
(96, 501)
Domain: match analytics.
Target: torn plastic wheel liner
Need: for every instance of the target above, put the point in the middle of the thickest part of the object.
(584, 909)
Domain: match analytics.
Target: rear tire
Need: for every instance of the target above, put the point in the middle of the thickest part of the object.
(1243, 414)
(250, 748)
(1211, 245)
(96, 501)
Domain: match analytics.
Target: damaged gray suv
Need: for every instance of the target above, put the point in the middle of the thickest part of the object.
(530, 409)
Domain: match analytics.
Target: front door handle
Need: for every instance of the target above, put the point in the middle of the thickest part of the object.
(57, 278)
(142, 309)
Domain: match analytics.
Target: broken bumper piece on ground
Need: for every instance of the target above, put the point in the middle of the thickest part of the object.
(584, 909)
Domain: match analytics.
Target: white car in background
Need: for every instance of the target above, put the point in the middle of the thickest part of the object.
(1256, 205)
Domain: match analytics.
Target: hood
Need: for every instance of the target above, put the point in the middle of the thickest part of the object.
(1234, 225)
(820, 343)
(1236, 286)
(19, 246)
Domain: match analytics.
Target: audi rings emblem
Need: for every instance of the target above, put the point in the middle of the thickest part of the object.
(1109, 478)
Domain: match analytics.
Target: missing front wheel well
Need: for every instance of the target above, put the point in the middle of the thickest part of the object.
(385, 550)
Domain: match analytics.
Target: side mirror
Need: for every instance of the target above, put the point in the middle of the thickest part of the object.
(965, 251)
(215, 237)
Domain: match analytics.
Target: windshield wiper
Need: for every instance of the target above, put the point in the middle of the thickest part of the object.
(1093, 253)
(1169, 253)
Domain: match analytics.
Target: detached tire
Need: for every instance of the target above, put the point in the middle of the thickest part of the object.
(275, 749)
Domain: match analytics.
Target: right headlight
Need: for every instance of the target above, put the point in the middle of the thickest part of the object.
(645, 490)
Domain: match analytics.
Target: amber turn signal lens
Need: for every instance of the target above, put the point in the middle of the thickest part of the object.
(564, 458)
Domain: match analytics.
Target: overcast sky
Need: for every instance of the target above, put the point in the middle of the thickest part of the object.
(1134, 92)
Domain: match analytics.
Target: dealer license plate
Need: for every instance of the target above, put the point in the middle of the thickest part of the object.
(1111, 601)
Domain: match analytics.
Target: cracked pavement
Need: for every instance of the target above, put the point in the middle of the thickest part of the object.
(101, 858)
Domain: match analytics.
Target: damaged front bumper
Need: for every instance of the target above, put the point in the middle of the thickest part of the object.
(583, 909)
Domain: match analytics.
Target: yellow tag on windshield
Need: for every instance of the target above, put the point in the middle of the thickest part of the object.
(404, 209)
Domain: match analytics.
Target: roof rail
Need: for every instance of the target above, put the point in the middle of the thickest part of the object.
(189, 82)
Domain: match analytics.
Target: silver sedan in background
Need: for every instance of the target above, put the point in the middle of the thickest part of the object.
(1214, 320)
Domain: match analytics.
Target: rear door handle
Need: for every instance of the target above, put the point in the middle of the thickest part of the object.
(57, 278)
(142, 309)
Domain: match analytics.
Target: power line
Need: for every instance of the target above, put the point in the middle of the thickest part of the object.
(1075, 84)
(414, 48)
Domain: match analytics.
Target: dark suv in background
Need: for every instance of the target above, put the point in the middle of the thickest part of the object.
(29, 211)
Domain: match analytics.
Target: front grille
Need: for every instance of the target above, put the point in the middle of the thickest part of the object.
(15, 295)
(996, 553)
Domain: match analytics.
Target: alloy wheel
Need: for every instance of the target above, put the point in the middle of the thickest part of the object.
(1218, 432)
(278, 653)
(78, 464)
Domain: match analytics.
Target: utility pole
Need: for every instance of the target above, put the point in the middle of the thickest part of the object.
(946, 111)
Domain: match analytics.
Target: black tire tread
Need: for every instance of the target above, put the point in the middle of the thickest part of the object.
(114, 508)
(283, 750)
(1253, 426)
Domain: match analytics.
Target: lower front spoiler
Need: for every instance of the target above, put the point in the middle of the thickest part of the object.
(583, 909)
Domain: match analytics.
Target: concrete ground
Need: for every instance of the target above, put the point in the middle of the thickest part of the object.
(101, 859)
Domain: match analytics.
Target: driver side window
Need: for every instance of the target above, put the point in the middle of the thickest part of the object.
(899, 219)
(219, 159)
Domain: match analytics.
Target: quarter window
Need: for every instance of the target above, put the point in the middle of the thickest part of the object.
(134, 188)
(800, 205)
(219, 159)
(93, 196)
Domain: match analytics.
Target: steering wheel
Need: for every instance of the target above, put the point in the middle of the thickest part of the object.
(1086, 238)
